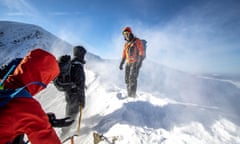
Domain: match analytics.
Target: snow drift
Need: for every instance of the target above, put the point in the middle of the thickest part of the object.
(171, 106)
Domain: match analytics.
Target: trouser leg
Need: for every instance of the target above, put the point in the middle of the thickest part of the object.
(132, 80)
(127, 78)
(135, 77)
(127, 72)
(72, 109)
(73, 104)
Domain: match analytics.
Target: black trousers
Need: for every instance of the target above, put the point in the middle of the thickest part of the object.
(131, 75)
(73, 101)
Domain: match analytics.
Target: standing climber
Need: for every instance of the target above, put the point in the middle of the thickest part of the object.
(71, 81)
(133, 54)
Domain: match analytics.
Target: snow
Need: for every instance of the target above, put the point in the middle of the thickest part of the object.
(171, 107)
(147, 119)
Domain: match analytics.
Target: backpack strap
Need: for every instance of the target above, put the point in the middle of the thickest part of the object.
(23, 88)
(8, 94)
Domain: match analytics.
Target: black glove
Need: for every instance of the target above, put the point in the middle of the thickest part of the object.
(121, 64)
(64, 122)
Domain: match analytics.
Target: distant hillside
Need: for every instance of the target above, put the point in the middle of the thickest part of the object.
(16, 39)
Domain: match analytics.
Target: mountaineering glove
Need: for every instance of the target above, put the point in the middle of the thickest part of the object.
(121, 64)
(64, 122)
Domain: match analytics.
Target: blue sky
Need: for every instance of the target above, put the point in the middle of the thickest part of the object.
(190, 35)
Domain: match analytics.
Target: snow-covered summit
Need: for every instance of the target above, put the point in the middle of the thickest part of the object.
(172, 107)
(16, 39)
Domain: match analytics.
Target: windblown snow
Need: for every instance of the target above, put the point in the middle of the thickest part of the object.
(171, 107)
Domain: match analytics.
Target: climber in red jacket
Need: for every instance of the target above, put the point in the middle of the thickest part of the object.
(25, 115)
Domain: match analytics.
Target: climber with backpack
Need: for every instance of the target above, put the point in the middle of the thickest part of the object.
(71, 81)
(21, 114)
(133, 53)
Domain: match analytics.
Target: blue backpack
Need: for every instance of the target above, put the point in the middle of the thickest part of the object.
(6, 95)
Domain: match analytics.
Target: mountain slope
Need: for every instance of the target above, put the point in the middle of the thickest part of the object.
(18, 38)
(171, 107)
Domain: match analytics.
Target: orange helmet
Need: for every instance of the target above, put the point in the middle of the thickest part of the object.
(127, 29)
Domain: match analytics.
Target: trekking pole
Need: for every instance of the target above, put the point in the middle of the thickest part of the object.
(79, 120)
(79, 123)
(72, 140)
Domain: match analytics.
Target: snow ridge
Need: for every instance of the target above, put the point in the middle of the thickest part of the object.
(172, 107)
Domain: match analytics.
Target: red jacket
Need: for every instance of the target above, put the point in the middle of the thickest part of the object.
(25, 115)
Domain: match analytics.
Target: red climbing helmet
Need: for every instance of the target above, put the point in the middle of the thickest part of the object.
(128, 29)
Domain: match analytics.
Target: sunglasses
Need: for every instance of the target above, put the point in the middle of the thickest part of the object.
(125, 32)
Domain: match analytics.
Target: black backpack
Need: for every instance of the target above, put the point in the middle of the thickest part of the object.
(64, 82)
